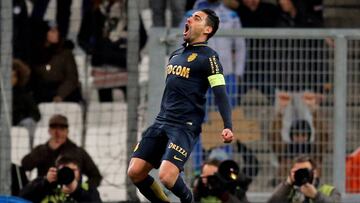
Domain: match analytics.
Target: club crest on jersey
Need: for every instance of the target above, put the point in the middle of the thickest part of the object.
(192, 57)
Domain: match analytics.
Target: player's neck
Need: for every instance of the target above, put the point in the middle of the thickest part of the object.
(197, 41)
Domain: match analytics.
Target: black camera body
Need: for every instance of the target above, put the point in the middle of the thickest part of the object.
(303, 176)
(65, 176)
(228, 178)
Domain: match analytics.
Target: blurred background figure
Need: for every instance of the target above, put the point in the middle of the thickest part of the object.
(25, 111)
(298, 128)
(43, 156)
(55, 76)
(256, 13)
(63, 13)
(258, 73)
(62, 183)
(310, 12)
(303, 75)
(221, 182)
(288, 16)
(20, 38)
(353, 172)
(303, 185)
(103, 36)
(158, 8)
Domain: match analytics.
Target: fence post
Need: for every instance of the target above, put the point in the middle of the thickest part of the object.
(157, 53)
(133, 87)
(339, 127)
(5, 94)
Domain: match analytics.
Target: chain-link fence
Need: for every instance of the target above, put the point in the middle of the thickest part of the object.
(292, 99)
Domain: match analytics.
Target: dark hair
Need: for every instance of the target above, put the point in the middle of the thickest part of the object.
(22, 72)
(211, 162)
(212, 20)
(300, 127)
(58, 120)
(66, 159)
(304, 158)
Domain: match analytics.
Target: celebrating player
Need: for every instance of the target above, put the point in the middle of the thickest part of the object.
(167, 143)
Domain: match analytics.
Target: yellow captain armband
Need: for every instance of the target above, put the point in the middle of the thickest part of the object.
(216, 80)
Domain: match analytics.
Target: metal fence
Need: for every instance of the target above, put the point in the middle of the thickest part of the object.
(5, 92)
(291, 76)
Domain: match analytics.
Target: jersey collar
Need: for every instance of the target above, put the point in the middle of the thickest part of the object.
(197, 44)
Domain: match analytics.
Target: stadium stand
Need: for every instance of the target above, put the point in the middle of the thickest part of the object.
(107, 146)
(20, 144)
(107, 114)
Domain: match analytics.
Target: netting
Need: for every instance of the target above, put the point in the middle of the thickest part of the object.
(282, 109)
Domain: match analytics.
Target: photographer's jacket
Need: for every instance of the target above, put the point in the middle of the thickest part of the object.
(217, 192)
(285, 193)
(43, 157)
(40, 190)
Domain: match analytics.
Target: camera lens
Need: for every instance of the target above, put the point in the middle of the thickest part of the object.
(229, 170)
(303, 176)
(65, 176)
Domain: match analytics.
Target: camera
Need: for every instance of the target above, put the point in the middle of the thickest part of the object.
(228, 178)
(303, 176)
(65, 176)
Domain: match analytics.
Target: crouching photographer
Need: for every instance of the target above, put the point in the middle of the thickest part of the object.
(302, 185)
(221, 182)
(62, 183)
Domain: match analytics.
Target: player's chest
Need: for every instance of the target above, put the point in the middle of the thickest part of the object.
(185, 65)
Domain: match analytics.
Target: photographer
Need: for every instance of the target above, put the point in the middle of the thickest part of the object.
(302, 185)
(62, 183)
(43, 156)
(220, 182)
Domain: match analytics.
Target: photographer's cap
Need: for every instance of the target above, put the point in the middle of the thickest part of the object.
(58, 120)
(218, 154)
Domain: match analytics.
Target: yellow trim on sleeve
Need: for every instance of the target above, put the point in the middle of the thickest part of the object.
(216, 80)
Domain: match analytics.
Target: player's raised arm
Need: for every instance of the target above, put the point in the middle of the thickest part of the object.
(217, 83)
(223, 104)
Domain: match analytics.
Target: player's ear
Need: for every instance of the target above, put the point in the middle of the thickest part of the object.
(208, 30)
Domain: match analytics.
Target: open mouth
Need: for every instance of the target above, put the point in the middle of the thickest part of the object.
(186, 29)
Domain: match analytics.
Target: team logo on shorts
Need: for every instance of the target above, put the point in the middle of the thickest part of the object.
(192, 57)
(178, 149)
(177, 158)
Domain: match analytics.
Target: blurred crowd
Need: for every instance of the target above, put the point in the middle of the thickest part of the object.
(46, 71)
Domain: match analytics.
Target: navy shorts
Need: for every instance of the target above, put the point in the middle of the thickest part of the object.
(166, 142)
